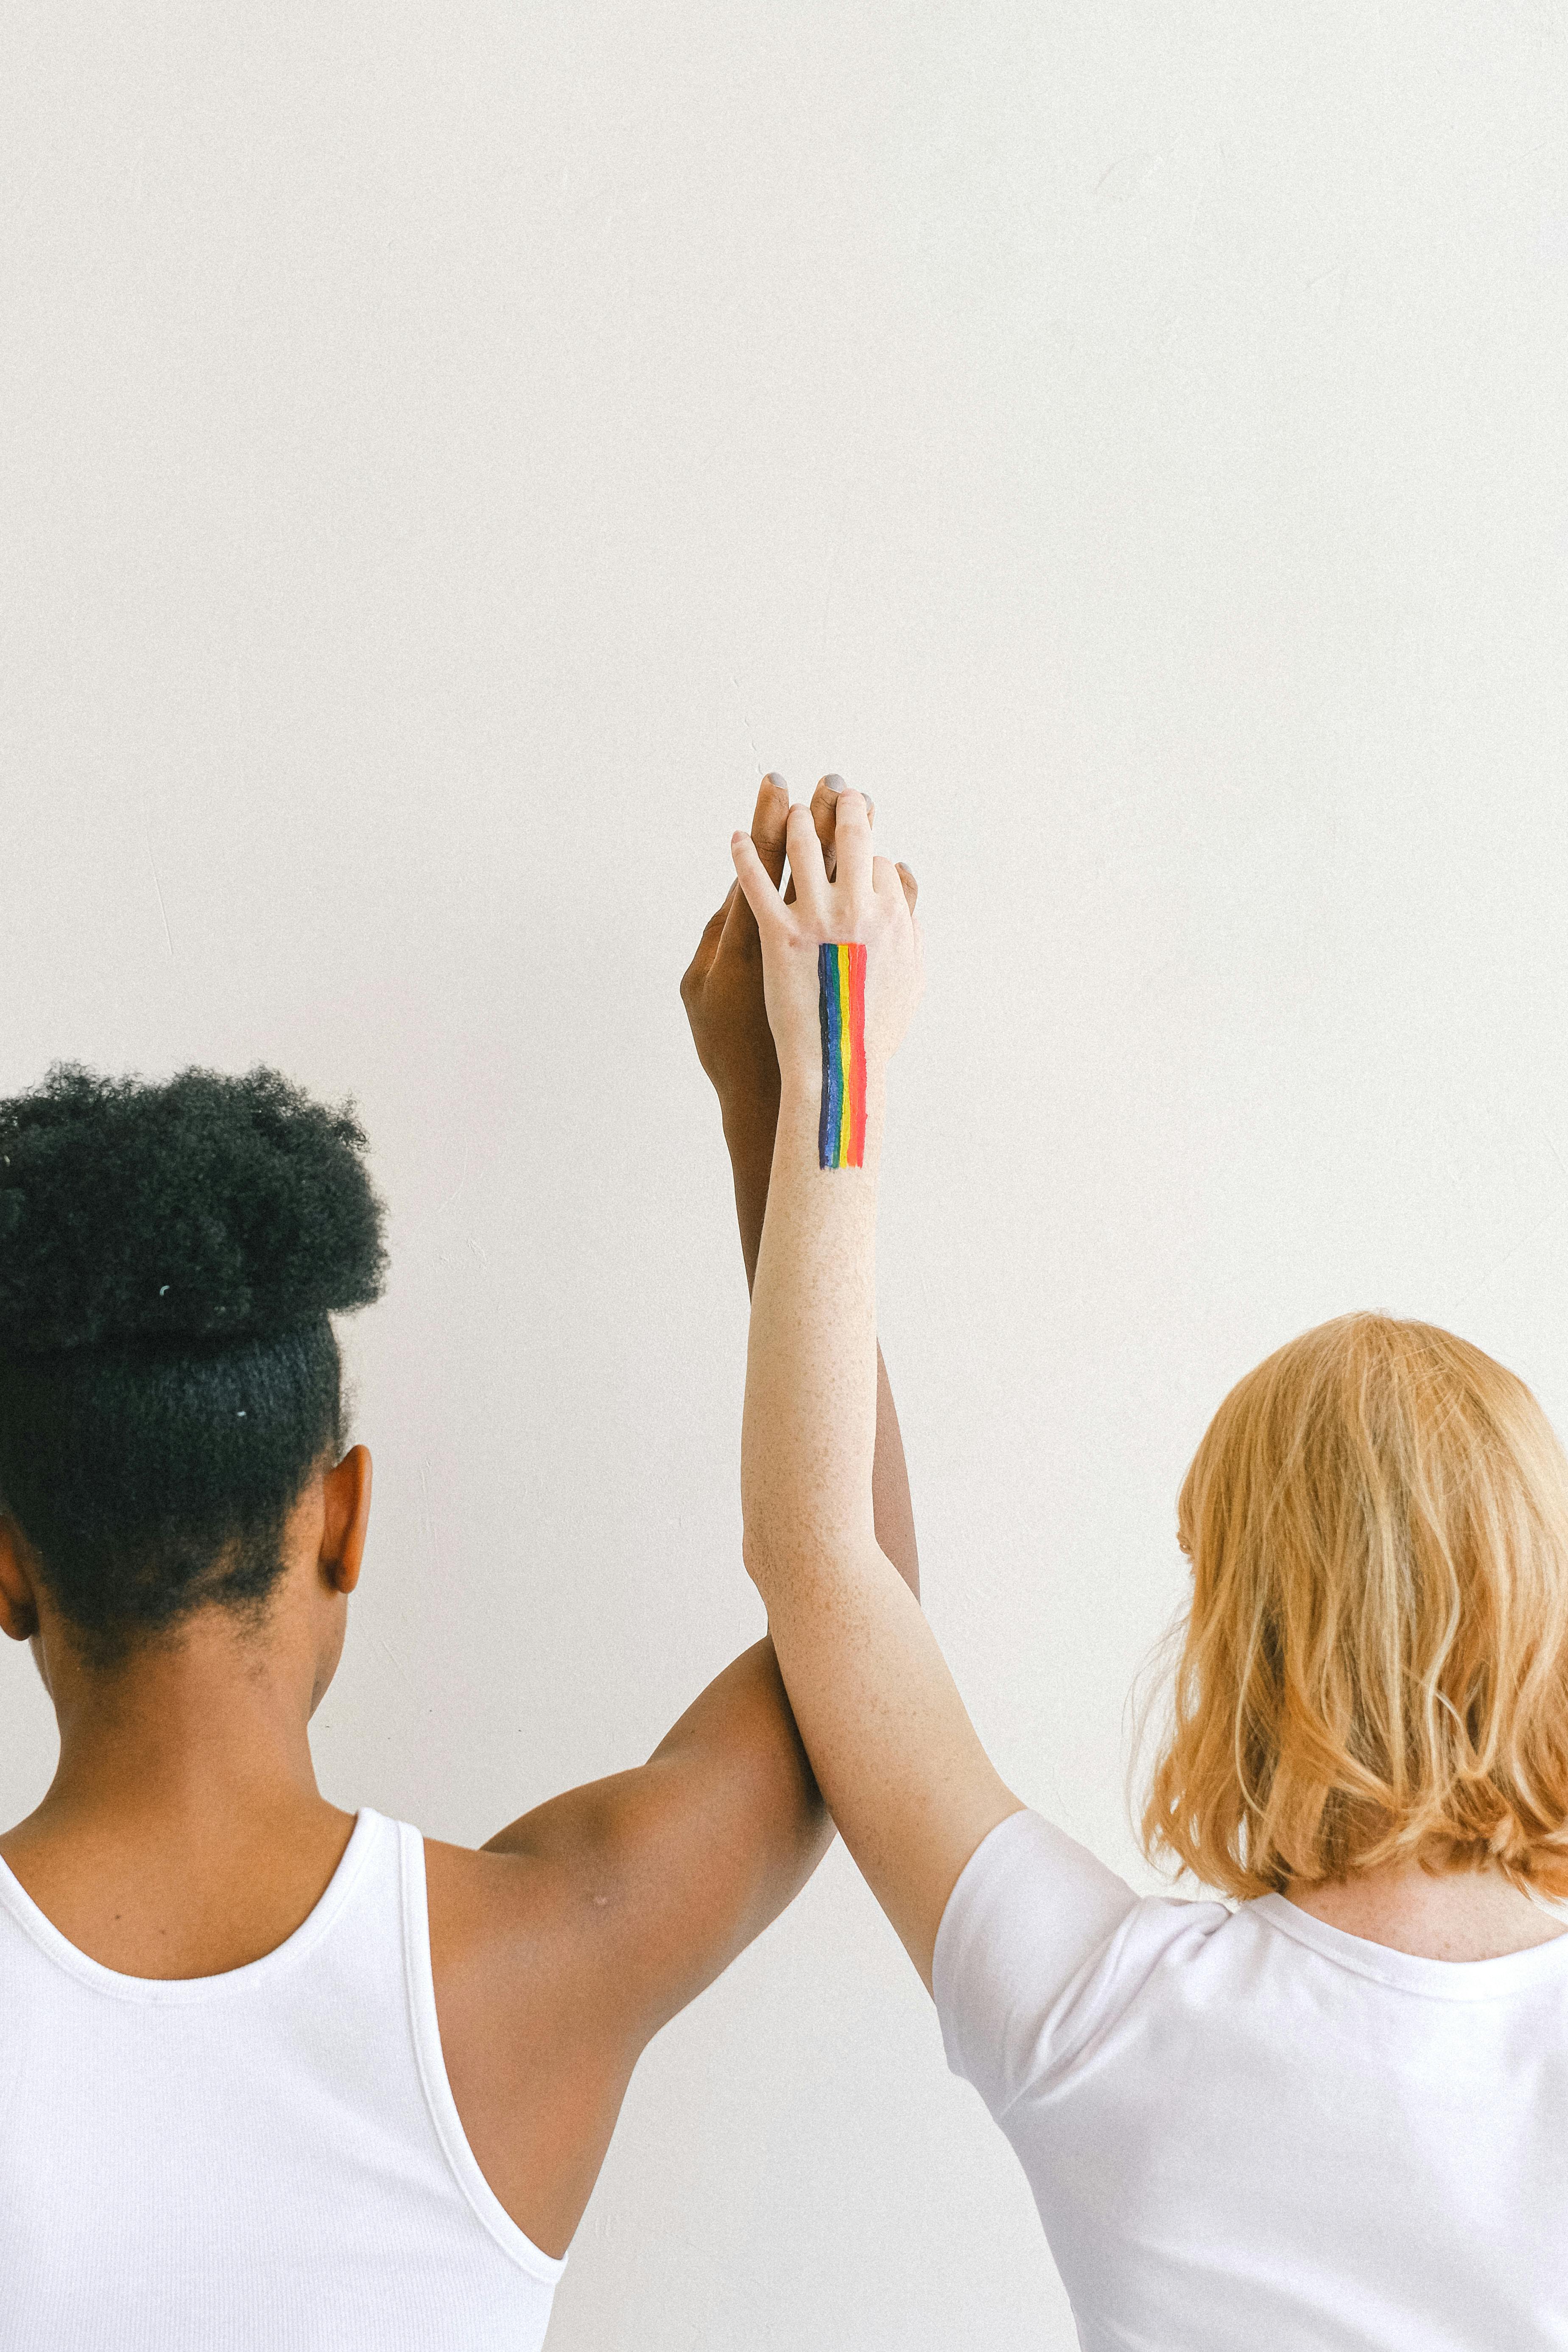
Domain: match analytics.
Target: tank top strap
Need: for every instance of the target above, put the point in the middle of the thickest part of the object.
(426, 2034)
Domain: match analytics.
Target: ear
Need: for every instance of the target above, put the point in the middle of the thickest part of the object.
(345, 1498)
(18, 1601)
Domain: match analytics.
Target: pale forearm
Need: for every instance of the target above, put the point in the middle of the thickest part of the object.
(892, 1507)
(749, 1131)
(808, 1441)
(895, 1755)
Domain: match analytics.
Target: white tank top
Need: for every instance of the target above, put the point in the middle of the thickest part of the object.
(269, 2161)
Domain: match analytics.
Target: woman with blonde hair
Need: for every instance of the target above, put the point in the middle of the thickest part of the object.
(1330, 2111)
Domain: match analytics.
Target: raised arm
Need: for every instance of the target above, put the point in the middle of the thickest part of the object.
(905, 1776)
(581, 1928)
(722, 992)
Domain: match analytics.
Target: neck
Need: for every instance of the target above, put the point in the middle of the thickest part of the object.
(183, 1833)
(204, 1735)
(1452, 1914)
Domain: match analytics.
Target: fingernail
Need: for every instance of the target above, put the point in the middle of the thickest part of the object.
(834, 783)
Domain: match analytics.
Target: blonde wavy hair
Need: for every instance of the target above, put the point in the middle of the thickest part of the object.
(1375, 1663)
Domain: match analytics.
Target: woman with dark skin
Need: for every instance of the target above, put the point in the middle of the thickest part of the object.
(183, 1834)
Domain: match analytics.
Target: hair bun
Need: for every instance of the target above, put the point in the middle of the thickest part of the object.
(209, 1207)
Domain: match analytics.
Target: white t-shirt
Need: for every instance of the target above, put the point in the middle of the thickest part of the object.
(1250, 2132)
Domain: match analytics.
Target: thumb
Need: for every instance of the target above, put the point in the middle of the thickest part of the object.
(760, 891)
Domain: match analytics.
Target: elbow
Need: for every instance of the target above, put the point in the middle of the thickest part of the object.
(770, 1558)
(787, 1562)
(755, 1556)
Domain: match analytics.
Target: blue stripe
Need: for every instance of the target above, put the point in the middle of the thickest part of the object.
(832, 1060)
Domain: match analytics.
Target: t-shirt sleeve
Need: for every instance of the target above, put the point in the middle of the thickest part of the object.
(1031, 1908)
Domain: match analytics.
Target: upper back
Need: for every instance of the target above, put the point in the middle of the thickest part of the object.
(264, 2158)
(1250, 2128)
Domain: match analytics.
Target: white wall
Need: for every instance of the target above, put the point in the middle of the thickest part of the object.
(446, 454)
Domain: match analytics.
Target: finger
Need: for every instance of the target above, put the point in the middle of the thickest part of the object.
(756, 882)
(806, 864)
(714, 925)
(836, 784)
(768, 839)
(713, 930)
(853, 840)
(887, 878)
(823, 802)
(789, 894)
(768, 824)
(708, 945)
(739, 934)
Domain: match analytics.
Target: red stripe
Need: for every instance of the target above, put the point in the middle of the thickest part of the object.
(858, 1047)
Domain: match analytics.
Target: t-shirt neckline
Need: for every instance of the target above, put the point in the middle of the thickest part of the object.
(1413, 1971)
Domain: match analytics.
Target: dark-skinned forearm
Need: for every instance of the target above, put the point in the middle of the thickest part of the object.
(749, 1136)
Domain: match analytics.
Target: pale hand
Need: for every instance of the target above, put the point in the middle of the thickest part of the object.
(869, 901)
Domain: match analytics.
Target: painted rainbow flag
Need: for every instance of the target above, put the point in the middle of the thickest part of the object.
(841, 985)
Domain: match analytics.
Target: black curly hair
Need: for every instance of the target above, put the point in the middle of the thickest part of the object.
(168, 1378)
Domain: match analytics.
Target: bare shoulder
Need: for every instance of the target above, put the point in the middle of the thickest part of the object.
(483, 1902)
(537, 2057)
(505, 1925)
(564, 1944)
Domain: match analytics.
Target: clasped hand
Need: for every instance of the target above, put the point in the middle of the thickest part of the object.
(723, 989)
(863, 901)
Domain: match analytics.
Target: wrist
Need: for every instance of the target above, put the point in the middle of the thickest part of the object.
(801, 1117)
